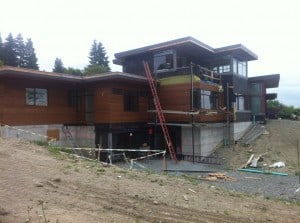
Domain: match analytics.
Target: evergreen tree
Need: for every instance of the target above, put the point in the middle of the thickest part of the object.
(95, 69)
(9, 51)
(20, 50)
(98, 55)
(30, 59)
(58, 66)
(73, 71)
(1, 50)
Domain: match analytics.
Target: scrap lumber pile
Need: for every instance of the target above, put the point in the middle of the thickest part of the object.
(218, 176)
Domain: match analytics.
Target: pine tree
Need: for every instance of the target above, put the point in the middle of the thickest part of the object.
(58, 66)
(30, 59)
(9, 53)
(20, 50)
(98, 55)
(1, 51)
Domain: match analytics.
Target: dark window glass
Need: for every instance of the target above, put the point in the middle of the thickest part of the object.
(131, 101)
(36, 96)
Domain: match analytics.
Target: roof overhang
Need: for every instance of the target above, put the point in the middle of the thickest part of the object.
(30, 73)
(271, 96)
(271, 81)
(7, 71)
(192, 44)
(239, 51)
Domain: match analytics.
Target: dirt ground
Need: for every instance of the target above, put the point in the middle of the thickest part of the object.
(279, 143)
(34, 180)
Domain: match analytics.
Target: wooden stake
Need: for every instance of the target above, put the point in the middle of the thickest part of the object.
(99, 153)
(298, 153)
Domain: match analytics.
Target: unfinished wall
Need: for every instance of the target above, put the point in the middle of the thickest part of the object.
(240, 129)
(206, 138)
(83, 136)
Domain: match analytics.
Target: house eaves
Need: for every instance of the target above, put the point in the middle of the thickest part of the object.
(238, 50)
(161, 46)
(7, 71)
(30, 73)
(113, 76)
(271, 81)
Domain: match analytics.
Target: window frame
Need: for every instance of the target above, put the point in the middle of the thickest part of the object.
(36, 97)
(165, 53)
(205, 99)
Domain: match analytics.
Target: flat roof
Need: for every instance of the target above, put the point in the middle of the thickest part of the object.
(271, 80)
(271, 96)
(238, 50)
(24, 72)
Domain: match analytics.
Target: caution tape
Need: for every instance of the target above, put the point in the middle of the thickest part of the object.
(50, 139)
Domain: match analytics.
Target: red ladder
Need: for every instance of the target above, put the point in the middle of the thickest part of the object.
(159, 112)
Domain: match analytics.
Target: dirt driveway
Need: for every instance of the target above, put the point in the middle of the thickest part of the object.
(33, 180)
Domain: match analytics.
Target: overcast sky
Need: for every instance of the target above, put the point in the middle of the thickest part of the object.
(66, 29)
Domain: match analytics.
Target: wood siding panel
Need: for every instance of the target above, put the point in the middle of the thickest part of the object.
(1, 101)
(16, 112)
(109, 107)
(177, 97)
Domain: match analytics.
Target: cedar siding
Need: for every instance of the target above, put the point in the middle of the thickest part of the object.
(16, 112)
(109, 106)
(177, 97)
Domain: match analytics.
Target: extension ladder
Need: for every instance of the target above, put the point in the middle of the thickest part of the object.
(159, 112)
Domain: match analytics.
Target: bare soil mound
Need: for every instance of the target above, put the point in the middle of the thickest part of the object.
(36, 183)
(278, 143)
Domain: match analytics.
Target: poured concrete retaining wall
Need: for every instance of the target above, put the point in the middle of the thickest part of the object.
(240, 129)
(205, 139)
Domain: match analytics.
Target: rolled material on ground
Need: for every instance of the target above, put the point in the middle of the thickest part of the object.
(264, 172)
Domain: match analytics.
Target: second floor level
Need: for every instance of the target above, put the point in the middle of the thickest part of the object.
(176, 56)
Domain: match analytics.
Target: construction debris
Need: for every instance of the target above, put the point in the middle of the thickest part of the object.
(218, 176)
(253, 178)
(277, 164)
(252, 161)
(263, 171)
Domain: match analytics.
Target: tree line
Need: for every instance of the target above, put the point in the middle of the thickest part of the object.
(98, 62)
(275, 109)
(19, 53)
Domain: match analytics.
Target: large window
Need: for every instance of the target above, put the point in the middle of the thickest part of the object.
(131, 101)
(204, 99)
(240, 103)
(242, 68)
(164, 60)
(36, 96)
(222, 67)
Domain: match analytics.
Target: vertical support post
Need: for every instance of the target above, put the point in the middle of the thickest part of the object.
(99, 152)
(227, 116)
(110, 144)
(298, 153)
(192, 109)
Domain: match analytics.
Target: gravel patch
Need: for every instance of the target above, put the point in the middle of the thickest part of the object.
(264, 185)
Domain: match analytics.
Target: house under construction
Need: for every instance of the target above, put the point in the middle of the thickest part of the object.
(205, 98)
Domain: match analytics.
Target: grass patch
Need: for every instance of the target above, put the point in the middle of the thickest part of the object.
(193, 179)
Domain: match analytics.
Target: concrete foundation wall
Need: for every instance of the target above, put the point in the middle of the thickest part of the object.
(240, 128)
(205, 139)
(84, 136)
